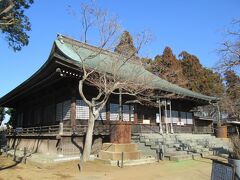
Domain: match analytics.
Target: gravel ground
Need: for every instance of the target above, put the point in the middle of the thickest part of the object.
(94, 170)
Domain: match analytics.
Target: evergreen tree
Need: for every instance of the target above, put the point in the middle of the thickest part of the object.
(168, 67)
(126, 46)
(200, 79)
(14, 24)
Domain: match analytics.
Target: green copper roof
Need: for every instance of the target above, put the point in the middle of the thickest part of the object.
(103, 62)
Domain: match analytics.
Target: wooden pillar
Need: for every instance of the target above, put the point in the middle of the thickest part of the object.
(73, 109)
(135, 114)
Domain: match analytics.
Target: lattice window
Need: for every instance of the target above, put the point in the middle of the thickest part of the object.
(126, 112)
(175, 116)
(102, 114)
(168, 116)
(131, 112)
(63, 110)
(184, 117)
(189, 118)
(114, 112)
(82, 110)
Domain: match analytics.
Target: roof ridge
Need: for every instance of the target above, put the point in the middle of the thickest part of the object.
(64, 38)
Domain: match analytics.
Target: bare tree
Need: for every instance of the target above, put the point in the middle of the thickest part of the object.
(231, 107)
(230, 49)
(108, 76)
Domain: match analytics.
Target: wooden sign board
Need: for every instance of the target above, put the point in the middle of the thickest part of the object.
(180, 123)
(146, 121)
(222, 171)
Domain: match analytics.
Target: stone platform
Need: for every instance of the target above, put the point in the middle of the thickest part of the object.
(111, 151)
(128, 162)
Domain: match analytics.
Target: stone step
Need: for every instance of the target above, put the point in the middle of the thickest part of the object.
(180, 157)
(184, 157)
(170, 150)
(142, 139)
(174, 153)
(149, 143)
(199, 150)
(196, 156)
(173, 145)
(177, 145)
(195, 143)
(146, 151)
(156, 147)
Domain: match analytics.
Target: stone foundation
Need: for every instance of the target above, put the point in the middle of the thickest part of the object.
(111, 151)
(52, 145)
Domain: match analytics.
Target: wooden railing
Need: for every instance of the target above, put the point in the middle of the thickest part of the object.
(145, 128)
(203, 130)
(102, 129)
(82, 129)
(78, 129)
(53, 129)
(183, 129)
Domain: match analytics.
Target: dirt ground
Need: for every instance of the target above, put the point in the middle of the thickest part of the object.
(191, 169)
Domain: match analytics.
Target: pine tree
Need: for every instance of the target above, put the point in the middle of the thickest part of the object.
(14, 24)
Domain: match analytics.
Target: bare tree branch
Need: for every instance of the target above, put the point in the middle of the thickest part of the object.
(110, 71)
(230, 49)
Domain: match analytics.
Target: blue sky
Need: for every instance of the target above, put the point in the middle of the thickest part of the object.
(196, 26)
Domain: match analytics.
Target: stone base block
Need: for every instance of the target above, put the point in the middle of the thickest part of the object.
(119, 147)
(118, 155)
(112, 151)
